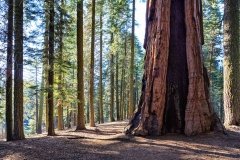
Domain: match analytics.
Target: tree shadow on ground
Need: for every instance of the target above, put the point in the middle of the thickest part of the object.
(89, 144)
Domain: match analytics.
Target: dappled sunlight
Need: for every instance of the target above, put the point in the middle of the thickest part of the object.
(92, 144)
(13, 156)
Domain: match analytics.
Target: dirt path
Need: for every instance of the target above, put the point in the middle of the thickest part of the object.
(107, 141)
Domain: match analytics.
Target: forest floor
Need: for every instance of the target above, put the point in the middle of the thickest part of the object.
(107, 142)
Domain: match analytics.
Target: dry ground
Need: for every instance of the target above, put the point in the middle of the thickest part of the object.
(107, 141)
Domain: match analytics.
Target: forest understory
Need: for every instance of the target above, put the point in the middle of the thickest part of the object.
(107, 141)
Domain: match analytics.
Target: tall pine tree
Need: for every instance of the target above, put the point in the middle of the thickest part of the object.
(18, 71)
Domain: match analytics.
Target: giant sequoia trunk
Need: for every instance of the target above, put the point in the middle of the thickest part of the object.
(175, 96)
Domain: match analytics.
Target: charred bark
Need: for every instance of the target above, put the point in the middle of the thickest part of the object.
(177, 73)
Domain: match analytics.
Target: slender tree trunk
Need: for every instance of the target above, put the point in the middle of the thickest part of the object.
(51, 131)
(69, 118)
(88, 113)
(123, 88)
(97, 113)
(60, 79)
(39, 124)
(112, 84)
(45, 58)
(60, 115)
(124, 98)
(131, 88)
(174, 99)
(74, 119)
(117, 94)
(37, 107)
(135, 91)
(3, 134)
(100, 72)
(231, 63)
(92, 122)
(18, 71)
(9, 116)
(121, 96)
(221, 109)
(126, 102)
(80, 95)
(67, 121)
(210, 66)
(112, 90)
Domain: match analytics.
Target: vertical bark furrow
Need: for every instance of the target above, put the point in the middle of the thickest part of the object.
(161, 63)
(196, 98)
(156, 59)
(177, 72)
(198, 109)
(175, 90)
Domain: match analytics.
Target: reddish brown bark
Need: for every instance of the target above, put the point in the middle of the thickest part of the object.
(60, 115)
(79, 120)
(175, 95)
(51, 131)
(18, 71)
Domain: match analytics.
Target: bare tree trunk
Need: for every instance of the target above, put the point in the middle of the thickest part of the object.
(117, 94)
(36, 96)
(135, 91)
(123, 81)
(18, 72)
(112, 86)
(174, 99)
(60, 115)
(100, 72)
(74, 119)
(121, 92)
(80, 94)
(126, 102)
(231, 63)
(51, 131)
(69, 118)
(131, 88)
(9, 116)
(45, 58)
(92, 121)
(60, 76)
(88, 113)
(39, 124)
